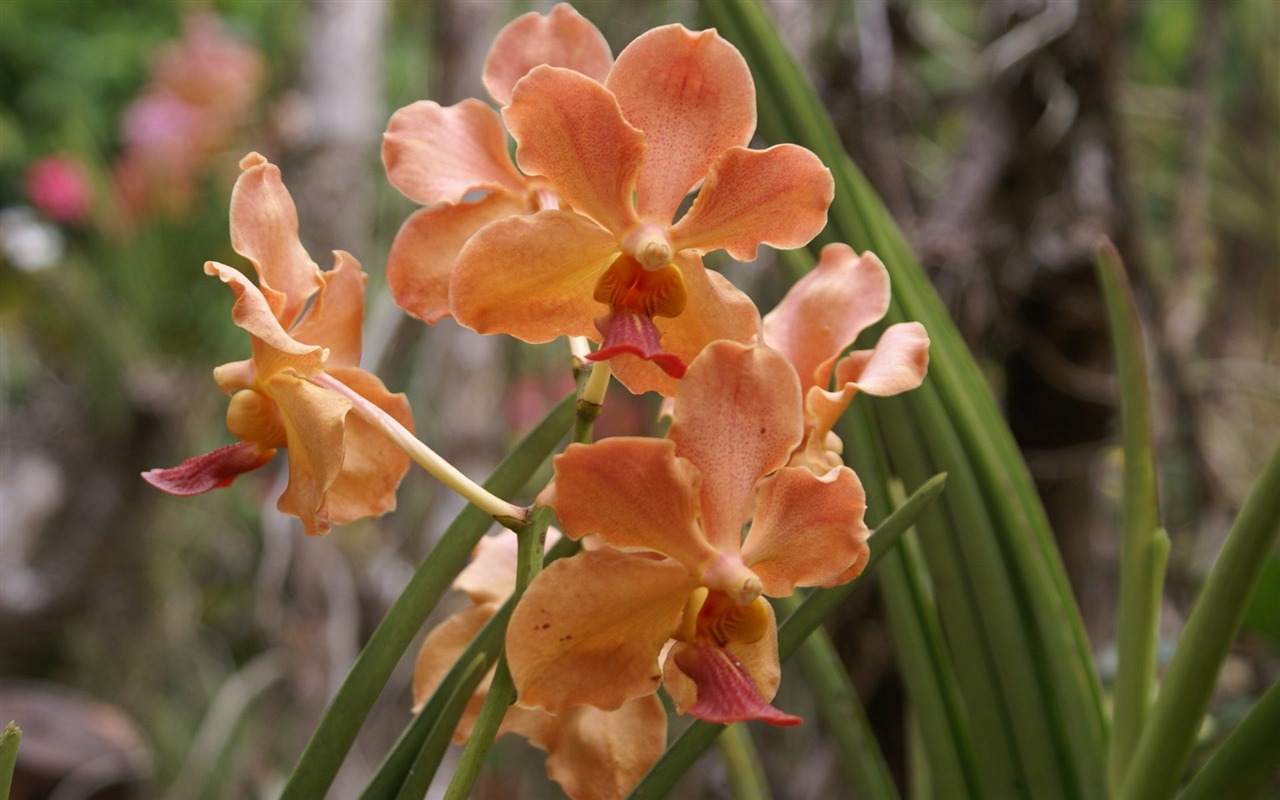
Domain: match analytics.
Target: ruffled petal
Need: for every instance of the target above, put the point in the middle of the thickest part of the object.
(777, 197)
(264, 229)
(532, 277)
(440, 650)
(737, 418)
(562, 38)
(313, 419)
(273, 348)
(436, 154)
(692, 95)
(715, 309)
(372, 466)
(571, 132)
(807, 530)
(824, 312)
(336, 317)
(423, 254)
(897, 363)
(214, 470)
(602, 755)
(589, 629)
(491, 575)
(634, 493)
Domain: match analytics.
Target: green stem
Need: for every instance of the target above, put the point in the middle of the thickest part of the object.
(1143, 546)
(323, 755)
(742, 761)
(1246, 759)
(502, 692)
(1170, 733)
(10, 738)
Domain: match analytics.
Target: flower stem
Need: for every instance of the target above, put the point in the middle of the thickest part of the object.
(591, 400)
(424, 456)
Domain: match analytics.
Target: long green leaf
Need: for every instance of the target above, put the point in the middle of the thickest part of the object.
(1143, 545)
(1051, 710)
(315, 770)
(1247, 759)
(10, 738)
(791, 633)
(1165, 745)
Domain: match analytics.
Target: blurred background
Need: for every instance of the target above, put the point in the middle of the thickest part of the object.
(186, 648)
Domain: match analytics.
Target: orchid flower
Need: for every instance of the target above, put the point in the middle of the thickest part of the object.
(591, 628)
(439, 155)
(304, 325)
(592, 754)
(821, 316)
(619, 265)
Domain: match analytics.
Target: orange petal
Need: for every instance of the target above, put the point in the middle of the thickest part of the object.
(313, 420)
(219, 468)
(570, 131)
(273, 348)
(372, 467)
(336, 317)
(602, 755)
(264, 229)
(737, 418)
(715, 309)
(692, 95)
(634, 494)
(440, 650)
(562, 38)
(807, 530)
(532, 276)
(777, 197)
(897, 363)
(423, 254)
(491, 575)
(589, 629)
(436, 154)
(824, 312)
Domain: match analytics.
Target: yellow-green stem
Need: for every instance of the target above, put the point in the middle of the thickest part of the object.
(506, 513)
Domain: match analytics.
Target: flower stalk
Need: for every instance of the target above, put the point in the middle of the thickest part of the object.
(506, 513)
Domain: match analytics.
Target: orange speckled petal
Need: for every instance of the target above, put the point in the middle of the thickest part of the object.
(777, 197)
(313, 420)
(602, 755)
(737, 418)
(570, 131)
(692, 95)
(715, 309)
(897, 363)
(264, 229)
(436, 154)
(562, 38)
(634, 494)
(825, 311)
(372, 466)
(423, 254)
(808, 530)
(589, 629)
(532, 276)
(336, 318)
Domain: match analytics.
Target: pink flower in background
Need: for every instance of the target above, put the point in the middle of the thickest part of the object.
(59, 187)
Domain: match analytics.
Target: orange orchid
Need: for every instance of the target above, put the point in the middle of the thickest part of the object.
(592, 754)
(591, 628)
(304, 324)
(438, 155)
(821, 316)
(618, 265)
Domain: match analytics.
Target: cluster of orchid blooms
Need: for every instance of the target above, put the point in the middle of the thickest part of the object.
(586, 235)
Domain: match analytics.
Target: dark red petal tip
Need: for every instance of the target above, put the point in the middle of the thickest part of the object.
(629, 332)
(214, 470)
(726, 692)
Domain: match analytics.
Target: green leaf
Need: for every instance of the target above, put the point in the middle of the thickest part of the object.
(1247, 759)
(1170, 731)
(315, 770)
(10, 738)
(1144, 545)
